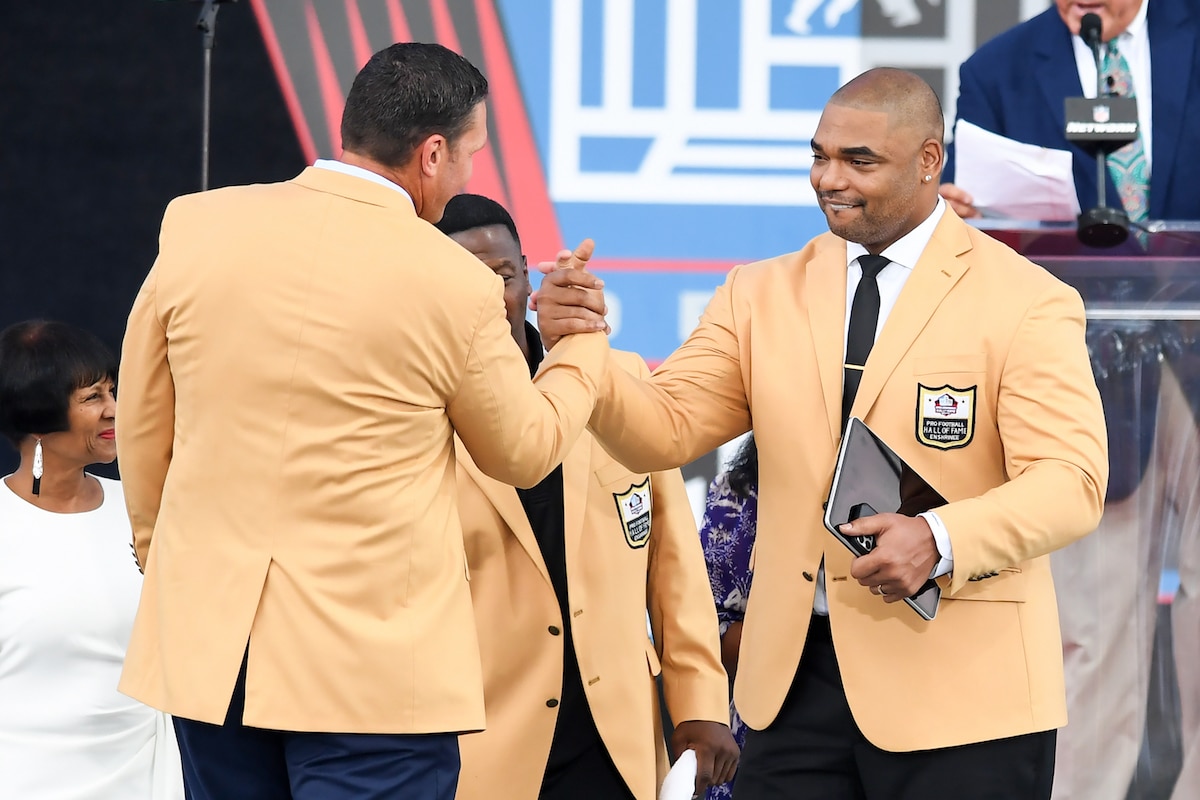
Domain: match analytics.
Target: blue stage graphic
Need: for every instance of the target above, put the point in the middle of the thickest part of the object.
(679, 131)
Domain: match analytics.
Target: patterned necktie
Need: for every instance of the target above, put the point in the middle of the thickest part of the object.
(1128, 166)
(864, 317)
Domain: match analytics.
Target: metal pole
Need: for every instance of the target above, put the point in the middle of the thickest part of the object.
(207, 23)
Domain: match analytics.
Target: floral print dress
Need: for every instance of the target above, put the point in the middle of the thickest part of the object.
(727, 536)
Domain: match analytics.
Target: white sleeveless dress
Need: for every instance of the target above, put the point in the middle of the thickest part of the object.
(69, 589)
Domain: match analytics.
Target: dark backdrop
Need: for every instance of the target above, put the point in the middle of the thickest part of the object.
(100, 126)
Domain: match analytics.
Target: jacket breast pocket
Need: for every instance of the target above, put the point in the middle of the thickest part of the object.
(947, 395)
(613, 472)
(950, 364)
(633, 499)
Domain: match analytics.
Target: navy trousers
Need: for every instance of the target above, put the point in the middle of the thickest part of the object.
(235, 762)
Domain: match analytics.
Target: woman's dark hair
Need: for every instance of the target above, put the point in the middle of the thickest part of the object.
(742, 471)
(405, 94)
(41, 364)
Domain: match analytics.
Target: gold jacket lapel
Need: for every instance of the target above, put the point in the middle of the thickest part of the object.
(505, 500)
(825, 290)
(932, 279)
(577, 474)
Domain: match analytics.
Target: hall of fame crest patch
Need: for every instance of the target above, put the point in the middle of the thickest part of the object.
(945, 416)
(633, 508)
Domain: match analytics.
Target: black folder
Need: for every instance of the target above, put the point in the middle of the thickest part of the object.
(871, 479)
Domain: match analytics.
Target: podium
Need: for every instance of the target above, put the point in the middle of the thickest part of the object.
(1118, 587)
(1143, 307)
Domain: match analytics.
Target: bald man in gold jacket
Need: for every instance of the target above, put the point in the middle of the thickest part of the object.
(848, 693)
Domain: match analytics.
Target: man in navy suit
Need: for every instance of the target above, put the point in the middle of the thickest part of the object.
(1015, 86)
(1107, 583)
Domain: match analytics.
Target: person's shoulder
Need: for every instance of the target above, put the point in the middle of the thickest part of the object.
(243, 195)
(766, 268)
(454, 262)
(114, 494)
(722, 501)
(1017, 40)
(111, 486)
(1012, 273)
(719, 486)
(1177, 11)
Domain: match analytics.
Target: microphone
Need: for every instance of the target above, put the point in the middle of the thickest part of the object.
(1089, 30)
(1106, 123)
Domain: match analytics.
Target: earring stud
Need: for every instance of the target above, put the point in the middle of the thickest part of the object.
(37, 467)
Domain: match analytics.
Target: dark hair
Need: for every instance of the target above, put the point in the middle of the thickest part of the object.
(466, 212)
(405, 94)
(742, 472)
(41, 364)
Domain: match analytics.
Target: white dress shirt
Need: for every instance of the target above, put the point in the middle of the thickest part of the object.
(1134, 44)
(359, 172)
(903, 255)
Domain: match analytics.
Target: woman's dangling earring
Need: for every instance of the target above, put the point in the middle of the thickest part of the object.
(37, 467)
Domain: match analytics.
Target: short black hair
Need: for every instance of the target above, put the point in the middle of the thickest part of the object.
(41, 364)
(742, 472)
(405, 94)
(900, 93)
(466, 212)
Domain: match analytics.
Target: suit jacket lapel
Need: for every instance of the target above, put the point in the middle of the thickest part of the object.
(1059, 78)
(1172, 42)
(577, 473)
(931, 280)
(825, 288)
(506, 502)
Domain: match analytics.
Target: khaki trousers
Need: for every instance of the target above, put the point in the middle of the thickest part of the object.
(1107, 586)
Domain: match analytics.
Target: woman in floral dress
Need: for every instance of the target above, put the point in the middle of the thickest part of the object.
(727, 535)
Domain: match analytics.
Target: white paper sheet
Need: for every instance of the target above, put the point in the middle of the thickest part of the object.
(680, 783)
(1012, 180)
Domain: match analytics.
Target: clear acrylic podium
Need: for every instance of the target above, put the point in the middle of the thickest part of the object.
(1129, 595)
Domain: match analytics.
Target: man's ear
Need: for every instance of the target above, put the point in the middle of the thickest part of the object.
(433, 152)
(933, 157)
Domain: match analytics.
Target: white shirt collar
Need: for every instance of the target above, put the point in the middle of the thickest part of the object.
(906, 250)
(358, 172)
(1137, 24)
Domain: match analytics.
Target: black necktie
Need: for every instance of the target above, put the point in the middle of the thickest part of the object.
(864, 316)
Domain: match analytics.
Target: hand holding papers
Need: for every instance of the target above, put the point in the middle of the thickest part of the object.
(680, 783)
(1013, 180)
(871, 479)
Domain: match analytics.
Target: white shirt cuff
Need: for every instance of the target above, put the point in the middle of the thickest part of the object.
(941, 538)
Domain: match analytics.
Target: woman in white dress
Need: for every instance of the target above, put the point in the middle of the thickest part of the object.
(69, 585)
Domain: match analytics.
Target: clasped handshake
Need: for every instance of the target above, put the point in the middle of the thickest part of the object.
(570, 299)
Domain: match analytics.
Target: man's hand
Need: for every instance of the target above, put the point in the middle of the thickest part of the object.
(962, 203)
(905, 554)
(716, 751)
(570, 299)
(731, 645)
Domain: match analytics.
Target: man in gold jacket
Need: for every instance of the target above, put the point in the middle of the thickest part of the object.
(562, 578)
(975, 371)
(295, 370)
